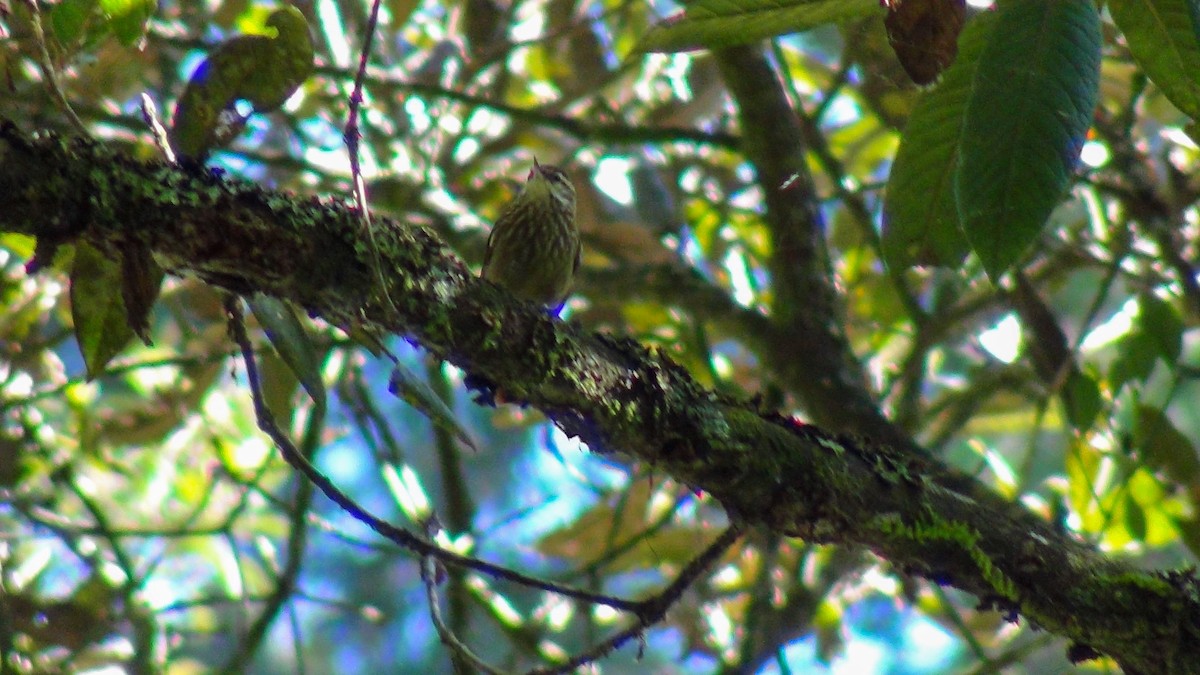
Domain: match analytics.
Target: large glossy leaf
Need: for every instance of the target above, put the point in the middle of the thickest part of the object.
(261, 69)
(1031, 104)
(920, 222)
(1162, 38)
(723, 23)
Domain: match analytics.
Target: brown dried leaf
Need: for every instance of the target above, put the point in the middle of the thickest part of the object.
(924, 35)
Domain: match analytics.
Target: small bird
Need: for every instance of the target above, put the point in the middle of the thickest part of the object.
(534, 250)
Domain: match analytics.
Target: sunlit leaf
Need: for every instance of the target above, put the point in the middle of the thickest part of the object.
(1081, 465)
(128, 18)
(724, 23)
(21, 244)
(830, 632)
(408, 490)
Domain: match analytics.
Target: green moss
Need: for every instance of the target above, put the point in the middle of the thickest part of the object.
(1141, 580)
(831, 445)
(492, 329)
(961, 535)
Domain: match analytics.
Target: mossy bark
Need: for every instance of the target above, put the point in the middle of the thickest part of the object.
(767, 470)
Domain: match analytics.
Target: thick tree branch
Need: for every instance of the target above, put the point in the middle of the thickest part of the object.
(618, 396)
(810, 351)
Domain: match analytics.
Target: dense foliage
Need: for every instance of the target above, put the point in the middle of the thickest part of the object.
(980, 292)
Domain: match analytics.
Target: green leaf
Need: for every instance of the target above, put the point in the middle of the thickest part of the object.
(291, 341)
(724, 23)
(127, 18)
(920, 221)
(22, 245)
(68, 19)
(1080, 465)
(622, 525)
(261, 69)
(1136, 356)
(1189, 533)
(1031, 104)
(1157, 333)
(1082, 400)
(279, 384)
(141, 279)
(1135, 518)
(1162, 38)
(1159, 322)
(417, 393)
(401, 11)
(97, 309)
(1163, 446)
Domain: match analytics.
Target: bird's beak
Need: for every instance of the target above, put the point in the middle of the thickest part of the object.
(536, 170)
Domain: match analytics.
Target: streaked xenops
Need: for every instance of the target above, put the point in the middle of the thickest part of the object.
(534, 248)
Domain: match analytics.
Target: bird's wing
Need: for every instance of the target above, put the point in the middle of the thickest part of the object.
(578, 256)
(487, 253)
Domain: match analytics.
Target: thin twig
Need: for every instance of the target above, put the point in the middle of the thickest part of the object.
(352, 135)
(647, 612)
(47, 66)
(615, 132)
(157, 130)
(287, 579)
(429, 578)
(652, 610)
(397, 535)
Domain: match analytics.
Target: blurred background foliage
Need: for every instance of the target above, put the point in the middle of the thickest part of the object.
(147, 525)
